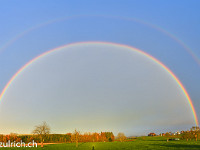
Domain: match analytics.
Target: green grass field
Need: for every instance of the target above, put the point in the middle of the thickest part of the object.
(155, 143)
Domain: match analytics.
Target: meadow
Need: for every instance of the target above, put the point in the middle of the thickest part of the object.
(143, 143)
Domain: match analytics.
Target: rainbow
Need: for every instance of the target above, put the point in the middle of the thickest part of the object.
(167, 33)
(181, 43)
(115, 44)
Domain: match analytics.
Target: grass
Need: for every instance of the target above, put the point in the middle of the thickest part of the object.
(143, 143)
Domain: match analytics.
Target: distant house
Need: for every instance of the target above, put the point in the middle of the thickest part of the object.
(151, 134)
(182, 132)
(177, 133)
(162, 134)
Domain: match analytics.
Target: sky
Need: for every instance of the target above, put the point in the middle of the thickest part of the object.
(29, 28)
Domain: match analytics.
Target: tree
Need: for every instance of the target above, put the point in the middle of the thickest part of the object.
(75, 137)
(195, 128)
(42, 130)
(109, 136)
(186, 135)
(167, 135)
(195, 131)
(121, 136)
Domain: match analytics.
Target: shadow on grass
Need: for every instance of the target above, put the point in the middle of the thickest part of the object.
(181, 146)
(79, 144)
(154, 140)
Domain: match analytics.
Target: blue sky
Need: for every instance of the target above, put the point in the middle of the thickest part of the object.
(103, 21)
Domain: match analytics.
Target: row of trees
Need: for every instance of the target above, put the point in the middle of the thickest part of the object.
(76, 137)
(192, 134)
(41, 134)
(50, 138)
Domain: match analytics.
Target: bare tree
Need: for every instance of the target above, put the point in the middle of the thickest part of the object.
(75, 137)
(42, 130)
(121, 136)
(167, 134)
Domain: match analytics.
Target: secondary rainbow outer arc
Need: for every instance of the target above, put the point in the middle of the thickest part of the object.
(115, 44)
(123, 18)
(167, 33)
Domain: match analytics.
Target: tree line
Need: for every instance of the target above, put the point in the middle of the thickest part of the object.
(41, 134)
(192, 134)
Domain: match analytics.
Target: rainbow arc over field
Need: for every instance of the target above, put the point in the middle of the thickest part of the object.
(106, 43)
(158, 28)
